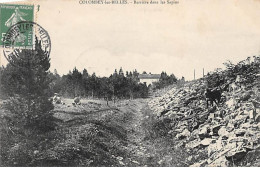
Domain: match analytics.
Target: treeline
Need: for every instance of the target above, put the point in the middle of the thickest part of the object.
(165, 80)
(76, 83)
(118, 84)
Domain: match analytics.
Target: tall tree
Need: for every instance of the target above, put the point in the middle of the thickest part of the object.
(27, 84)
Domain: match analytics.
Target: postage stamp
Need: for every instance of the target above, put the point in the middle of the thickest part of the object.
(28, 31)
(12, 14)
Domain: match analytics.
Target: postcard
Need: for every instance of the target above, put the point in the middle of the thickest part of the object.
(129, 83)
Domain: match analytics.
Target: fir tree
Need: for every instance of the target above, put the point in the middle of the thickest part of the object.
(27, 84)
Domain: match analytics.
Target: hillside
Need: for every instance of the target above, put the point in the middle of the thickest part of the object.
(227, 134)
(174, 127)
(93, 134)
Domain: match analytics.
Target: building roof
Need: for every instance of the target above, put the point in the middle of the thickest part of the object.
(149, 76)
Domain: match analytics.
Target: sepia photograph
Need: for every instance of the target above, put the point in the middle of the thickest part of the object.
(129, 83)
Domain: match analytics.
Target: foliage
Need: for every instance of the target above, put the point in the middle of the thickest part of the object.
(117, 85)
(26, 84)
(247, 70)
(165, 80)
(28, 88)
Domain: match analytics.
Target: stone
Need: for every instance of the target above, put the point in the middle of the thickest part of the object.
(230, 127)
(57, 100)
(135, 162)
(240, 119)
(160, 162)
(183, 123)
(204, 132)
(250, 113)
(211, 116)
(206, 142)
(179, 129)
(245, 125)
(215, 129)
(230, 102)
(121, 163)
(222, 113)
(245, 96)
(240, 132)
(212, 110)
(214, 147)
(219, 162)
(76, 100)
(193, 144)
(183, 134)
(119, 158)
(235, 155)
(224, 133)
(168, 113)
(237, 139)
(200, 164)
(158, 114)
(257, 118)
(189, 158)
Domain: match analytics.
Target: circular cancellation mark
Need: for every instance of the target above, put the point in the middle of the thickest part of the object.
(25, 39)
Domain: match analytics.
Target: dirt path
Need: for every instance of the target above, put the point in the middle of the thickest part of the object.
(131, 135)
(145, 149)
(140, 150)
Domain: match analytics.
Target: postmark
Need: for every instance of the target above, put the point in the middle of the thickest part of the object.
(17, 35)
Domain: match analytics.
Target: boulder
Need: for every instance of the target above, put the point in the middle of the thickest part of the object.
(250, 113)
(240, 132)
(211, 116)
(204, 132)
(76, 100)
(230, 126)
(240, 119)
(257, 118)
(235, 155)
(169, 113)
(193, 144)
(232, 139)
(231, 102)
(183, 134)
(245, 96)
(206, 142)
(215, 129)
(214, 147)
(245, 125)
(223, 132)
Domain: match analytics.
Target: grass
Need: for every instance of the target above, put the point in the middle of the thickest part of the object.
(87, 135)
(94, 134)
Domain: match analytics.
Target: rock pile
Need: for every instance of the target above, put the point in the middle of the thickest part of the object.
(228, 132)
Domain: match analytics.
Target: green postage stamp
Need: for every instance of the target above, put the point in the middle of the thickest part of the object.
(11, 14)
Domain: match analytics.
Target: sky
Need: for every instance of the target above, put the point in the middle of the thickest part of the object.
(193, 34)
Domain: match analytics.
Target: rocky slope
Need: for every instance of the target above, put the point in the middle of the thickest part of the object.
(229, 131)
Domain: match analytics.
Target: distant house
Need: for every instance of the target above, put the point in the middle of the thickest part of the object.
(149, 78)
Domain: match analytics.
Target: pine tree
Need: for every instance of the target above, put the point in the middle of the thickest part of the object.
(26, 82)
(77, 82)
(121, 72)
(115, 72)
(85, 79)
